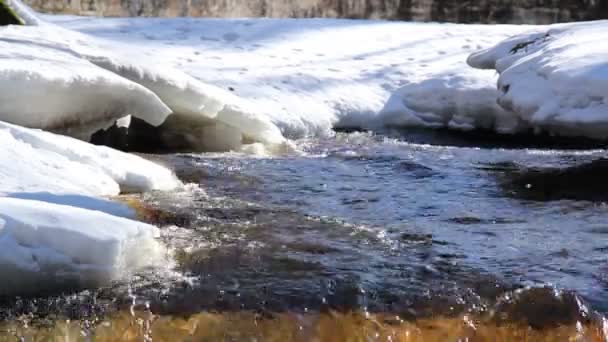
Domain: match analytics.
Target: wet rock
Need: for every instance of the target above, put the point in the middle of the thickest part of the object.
(500, 166)
(157, 216)
(312, 248)
(579, 182)
(541, 307)
(415, 169)
(468, 220)
(416, 238)
(465, 220)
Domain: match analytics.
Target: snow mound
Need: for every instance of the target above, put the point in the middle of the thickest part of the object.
(37, 161)
(65, 247)
(460, 99)
(556, 79)
(449, 94)
(44, 84)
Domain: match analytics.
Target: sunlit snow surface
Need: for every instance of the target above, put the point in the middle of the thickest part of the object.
(46, 247)
(37, 161)
(309, 75)
(554, 78)
(45, 84)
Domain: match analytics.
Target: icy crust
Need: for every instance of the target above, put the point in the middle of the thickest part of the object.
(555, 80)
(44, 84)
(47, 247)
(37, 161)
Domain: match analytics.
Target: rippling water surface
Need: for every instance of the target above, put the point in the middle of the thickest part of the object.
(377, 225)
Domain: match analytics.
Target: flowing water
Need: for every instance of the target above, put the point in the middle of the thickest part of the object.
(361, 227)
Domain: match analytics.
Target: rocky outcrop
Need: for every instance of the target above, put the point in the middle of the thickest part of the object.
(484, 11)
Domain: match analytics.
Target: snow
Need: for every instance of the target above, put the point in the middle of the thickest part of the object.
(554, 79)
(79, 201)
(311, 75)
(215, 119)
(230, 82)
(44, 84)
(55, 229)
(83, 84)
(47, 247)
(57, 232)
(37, 161)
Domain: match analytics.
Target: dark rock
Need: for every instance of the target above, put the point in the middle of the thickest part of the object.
(580, 182)
(8, 16)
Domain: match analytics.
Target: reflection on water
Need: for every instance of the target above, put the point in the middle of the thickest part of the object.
(358, 230)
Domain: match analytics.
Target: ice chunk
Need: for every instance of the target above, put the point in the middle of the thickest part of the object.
(44, 84)
(555, 79)
(47, 247)
(37, 161)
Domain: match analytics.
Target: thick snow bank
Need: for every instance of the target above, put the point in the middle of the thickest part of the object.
(132, 83)
(44, 84)
(46, 247)
(53, 229)
(309, 75)
(37, 161)
(554, 79)
(450, 94)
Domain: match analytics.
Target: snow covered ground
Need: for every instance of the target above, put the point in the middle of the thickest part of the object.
(235, 81)
(555, 78)
(309, 75)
